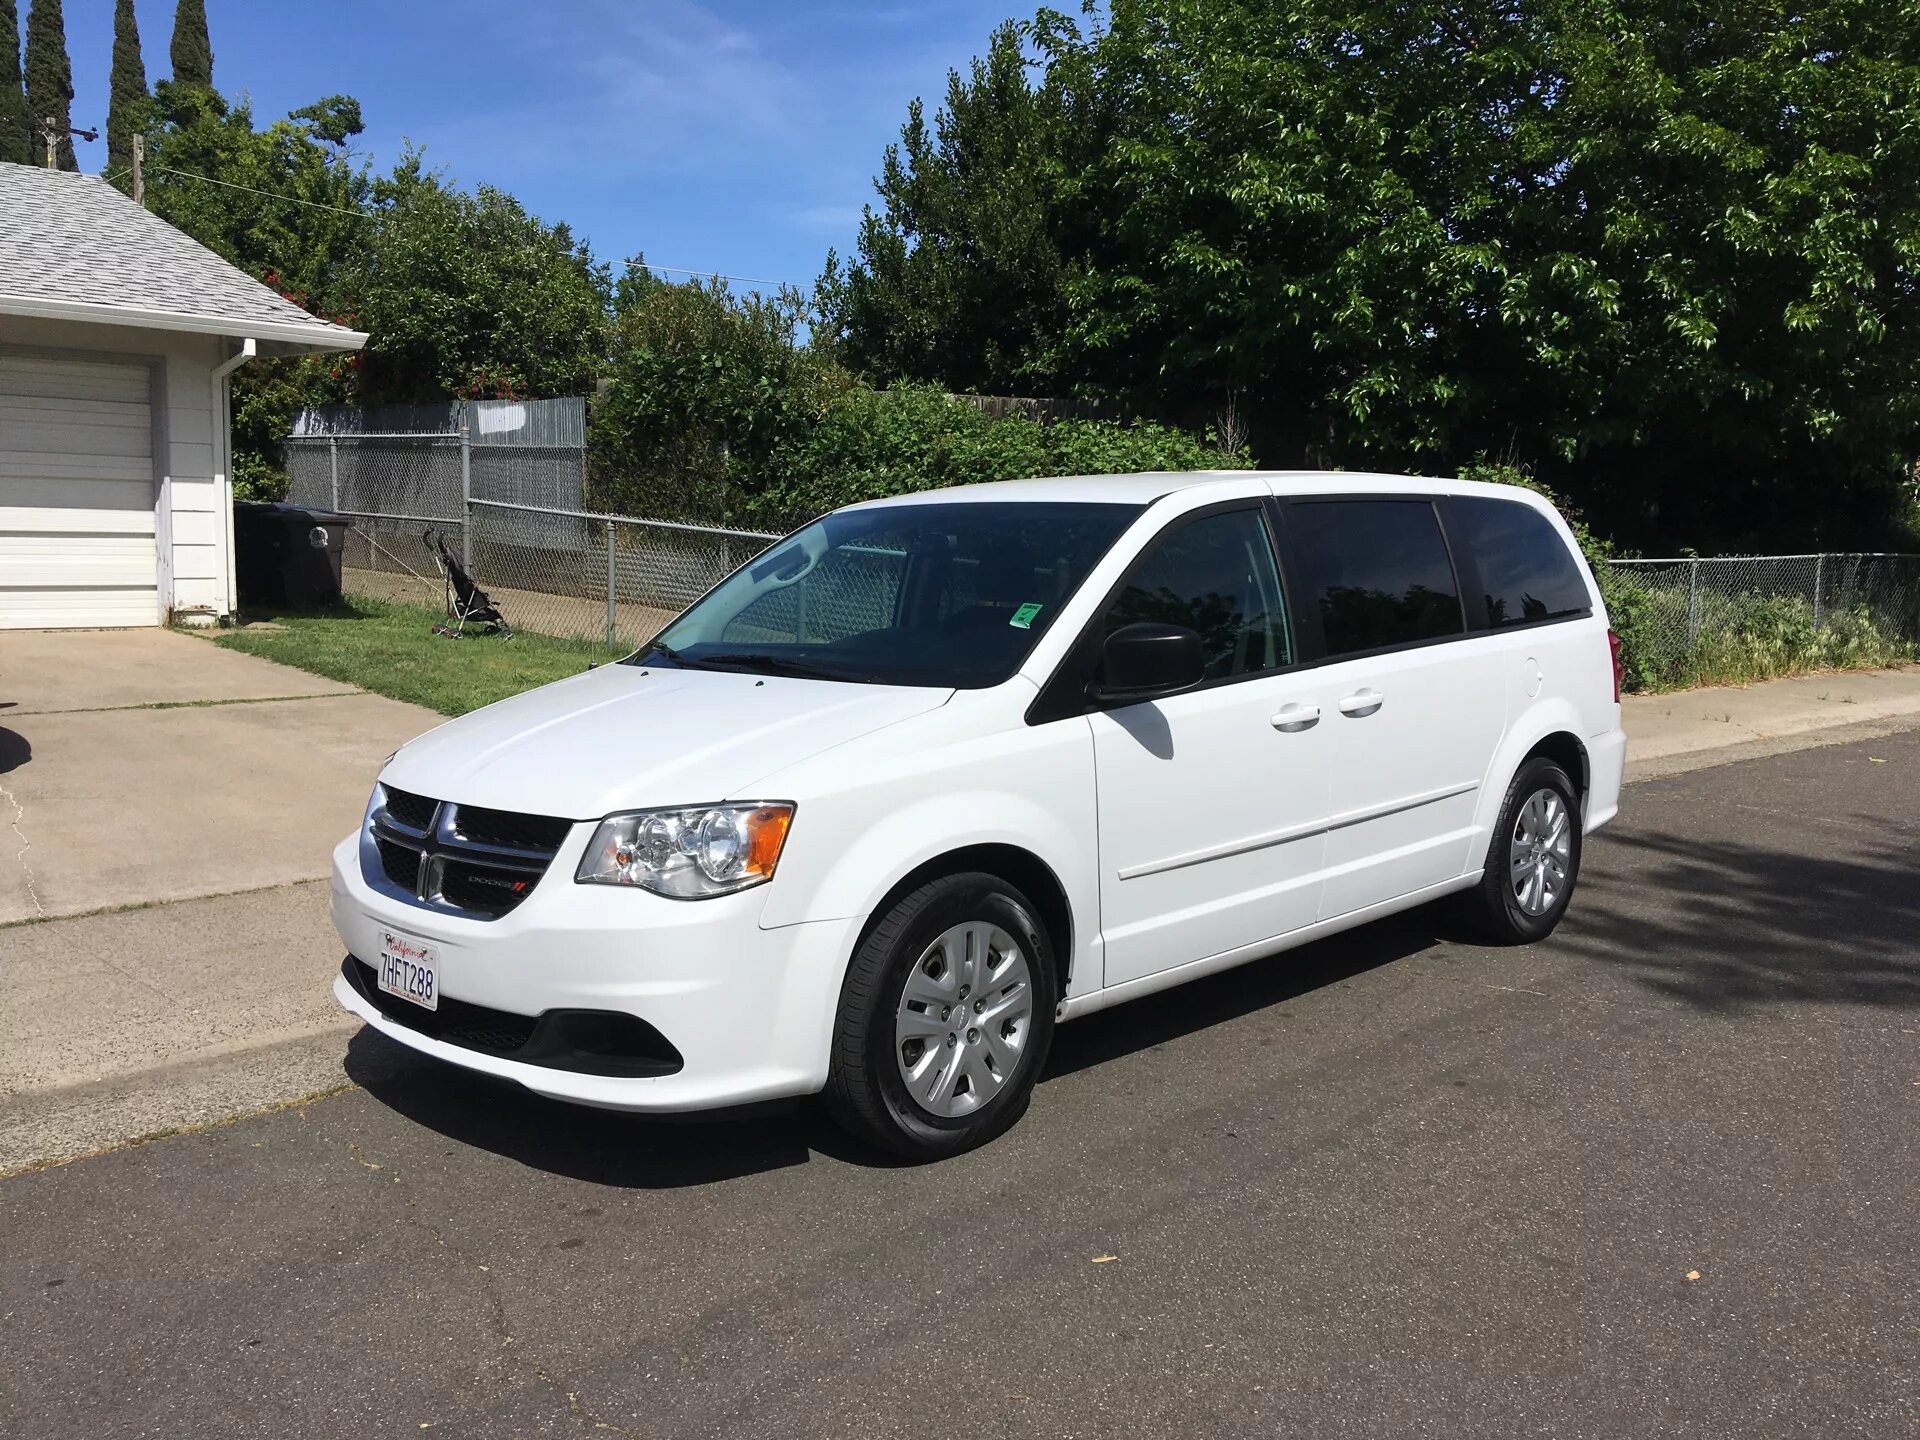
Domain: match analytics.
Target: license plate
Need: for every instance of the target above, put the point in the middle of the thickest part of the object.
(410, 969)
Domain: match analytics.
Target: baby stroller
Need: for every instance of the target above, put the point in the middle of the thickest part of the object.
(465, 600)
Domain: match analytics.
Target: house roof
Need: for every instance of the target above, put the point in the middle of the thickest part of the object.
(74, 248)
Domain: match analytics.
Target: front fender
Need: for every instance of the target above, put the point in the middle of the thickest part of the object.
(1031, 788)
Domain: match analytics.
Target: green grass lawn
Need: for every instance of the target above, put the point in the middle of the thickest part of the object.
(391, 649)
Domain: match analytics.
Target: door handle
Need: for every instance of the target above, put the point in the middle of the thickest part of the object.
(1362, 703)
(1294, 718)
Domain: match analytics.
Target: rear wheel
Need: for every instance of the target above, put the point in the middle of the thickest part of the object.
(945, 1019)
(1533, 859)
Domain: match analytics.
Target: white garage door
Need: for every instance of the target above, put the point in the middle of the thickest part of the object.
(76, 495)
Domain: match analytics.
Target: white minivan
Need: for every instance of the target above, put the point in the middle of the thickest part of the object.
(937, 772)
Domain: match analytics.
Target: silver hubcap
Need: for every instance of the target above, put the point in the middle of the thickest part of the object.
(1541, 853)
(964, 1018)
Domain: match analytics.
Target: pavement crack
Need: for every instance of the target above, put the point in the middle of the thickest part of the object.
(20, 855)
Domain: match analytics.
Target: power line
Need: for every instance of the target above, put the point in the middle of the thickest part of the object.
(267, 194)
(366, 215)
(715, 274)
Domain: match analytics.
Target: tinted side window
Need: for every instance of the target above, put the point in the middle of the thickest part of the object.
(1216, 576)
(1377, 570)
(1525, 569)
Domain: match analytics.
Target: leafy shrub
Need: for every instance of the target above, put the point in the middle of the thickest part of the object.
(257, 478)
(1752, 636)
(870, 443)
(707, 392)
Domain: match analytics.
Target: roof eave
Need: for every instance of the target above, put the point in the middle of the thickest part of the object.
(317, 336)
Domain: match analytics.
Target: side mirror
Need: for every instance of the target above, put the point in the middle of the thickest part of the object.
(1145, 661)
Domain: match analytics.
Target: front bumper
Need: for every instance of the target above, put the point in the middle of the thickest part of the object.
(749, 1010)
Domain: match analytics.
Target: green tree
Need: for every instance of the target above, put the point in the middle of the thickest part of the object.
(49, 87)
(298, 225)
(959, 276)
(469, 295)
(706, 390)
(129, 105)
(1661, 250)
(15, 133)
(192, 49)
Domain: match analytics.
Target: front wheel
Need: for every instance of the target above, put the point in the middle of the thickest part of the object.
(1533, 860)
(945, 1018)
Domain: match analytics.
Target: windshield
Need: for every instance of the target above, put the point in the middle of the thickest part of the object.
(946, 594)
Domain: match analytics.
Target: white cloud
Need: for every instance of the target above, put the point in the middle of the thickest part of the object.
(603, 108)
(831, 218)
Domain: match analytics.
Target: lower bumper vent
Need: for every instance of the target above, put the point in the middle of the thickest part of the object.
(587, 1042)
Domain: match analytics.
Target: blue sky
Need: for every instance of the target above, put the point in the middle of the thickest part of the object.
(738, 136)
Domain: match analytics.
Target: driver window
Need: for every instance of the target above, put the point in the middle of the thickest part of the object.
(1216, 576)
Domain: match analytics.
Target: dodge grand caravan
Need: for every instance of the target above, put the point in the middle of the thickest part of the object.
(938, 772)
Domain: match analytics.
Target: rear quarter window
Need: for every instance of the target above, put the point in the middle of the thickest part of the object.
(1527, 574)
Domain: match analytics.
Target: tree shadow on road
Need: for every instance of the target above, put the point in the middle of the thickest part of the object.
(1727, 926)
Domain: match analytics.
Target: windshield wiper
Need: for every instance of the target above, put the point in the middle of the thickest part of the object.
(772, 664)
(639, 657)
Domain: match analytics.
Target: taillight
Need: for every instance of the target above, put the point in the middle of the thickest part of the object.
(1619, 670)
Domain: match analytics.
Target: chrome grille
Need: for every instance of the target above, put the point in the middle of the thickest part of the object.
(403, 807)
(463, 858)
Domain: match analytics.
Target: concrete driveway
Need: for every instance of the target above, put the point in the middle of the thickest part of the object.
(167, 809)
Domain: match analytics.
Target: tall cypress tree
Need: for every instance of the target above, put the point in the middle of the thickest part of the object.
(49, 83)
(15, 144)
(127, 109)
(192, 52)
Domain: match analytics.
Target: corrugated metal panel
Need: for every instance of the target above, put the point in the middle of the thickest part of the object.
(530, 424)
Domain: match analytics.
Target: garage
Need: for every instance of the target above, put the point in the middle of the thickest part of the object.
(77, 489)
(119, 338)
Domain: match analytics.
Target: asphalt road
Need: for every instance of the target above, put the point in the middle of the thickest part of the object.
(1656, 1176)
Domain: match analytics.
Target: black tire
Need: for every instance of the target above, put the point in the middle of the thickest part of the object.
(1491, 907)
(865, 1090)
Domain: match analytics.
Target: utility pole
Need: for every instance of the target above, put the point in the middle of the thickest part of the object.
(139, 179)
(51, 129)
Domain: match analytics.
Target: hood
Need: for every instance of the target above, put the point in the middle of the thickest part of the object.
(626, 738)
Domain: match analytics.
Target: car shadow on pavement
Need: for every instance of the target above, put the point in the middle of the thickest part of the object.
(631, 1152)
(1201, 1004)
(15, 750)
(601, 1147)
(1729, 927)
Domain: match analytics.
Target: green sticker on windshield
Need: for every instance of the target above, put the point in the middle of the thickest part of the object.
(1023, 617)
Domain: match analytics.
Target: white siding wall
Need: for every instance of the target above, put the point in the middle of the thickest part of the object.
(194, 534)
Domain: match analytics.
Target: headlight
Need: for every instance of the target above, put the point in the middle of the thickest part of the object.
(688, 854)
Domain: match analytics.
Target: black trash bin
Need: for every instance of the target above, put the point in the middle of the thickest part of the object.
(288, 554)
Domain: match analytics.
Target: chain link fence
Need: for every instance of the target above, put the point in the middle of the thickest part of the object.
(503, 483)
(1702, 621)
(622, 581)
